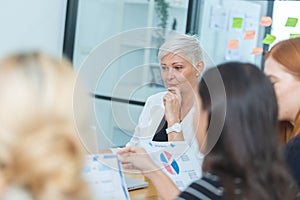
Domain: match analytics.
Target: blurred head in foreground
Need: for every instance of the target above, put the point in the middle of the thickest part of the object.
(40, 150)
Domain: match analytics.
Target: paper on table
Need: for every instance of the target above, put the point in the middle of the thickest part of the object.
(177, 160)
(105, 177)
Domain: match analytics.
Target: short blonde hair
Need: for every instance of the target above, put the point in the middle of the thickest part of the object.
(39, 147)
(185, 45)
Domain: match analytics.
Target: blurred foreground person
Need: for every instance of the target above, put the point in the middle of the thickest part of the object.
(41, 157)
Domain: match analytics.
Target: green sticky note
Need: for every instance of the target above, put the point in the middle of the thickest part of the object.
(293, 35)
(269, 39)
(291, 22)
(237, 22)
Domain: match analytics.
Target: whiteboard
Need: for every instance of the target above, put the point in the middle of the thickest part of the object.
(216, 29)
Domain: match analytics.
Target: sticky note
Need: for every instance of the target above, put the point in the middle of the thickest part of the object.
(237, 22)
(291, 22)
(293, 35)
(249, 35)
(265, 21)
(257, 51)
(233, 44)
(269, 39)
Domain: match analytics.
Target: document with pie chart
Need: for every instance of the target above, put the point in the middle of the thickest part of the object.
(177, 160)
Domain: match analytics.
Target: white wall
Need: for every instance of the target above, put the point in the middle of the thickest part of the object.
(32, 25)
(282, 10)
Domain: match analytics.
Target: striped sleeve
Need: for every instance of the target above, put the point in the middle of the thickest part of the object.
(206, 188)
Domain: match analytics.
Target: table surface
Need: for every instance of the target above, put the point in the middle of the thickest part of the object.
(144, 193)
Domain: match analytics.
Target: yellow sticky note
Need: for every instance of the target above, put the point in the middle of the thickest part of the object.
(293, 35)
(249, 35)
(269, 39)
(237, 22)
(257, 51)
(291, 22)
(265, 21)
(233, 44)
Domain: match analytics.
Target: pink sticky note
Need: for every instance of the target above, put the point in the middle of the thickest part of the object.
(249, 35)
(257, 51)
(265, 21)
(233, 44)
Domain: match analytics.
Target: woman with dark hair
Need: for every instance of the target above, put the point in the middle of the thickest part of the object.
(243, 159)
(246, 157)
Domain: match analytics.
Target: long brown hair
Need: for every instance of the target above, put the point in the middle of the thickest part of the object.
(246, 157)
(287, 53)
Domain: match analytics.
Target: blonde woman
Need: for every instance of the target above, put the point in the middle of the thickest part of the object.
(40, 153)
(168, 116)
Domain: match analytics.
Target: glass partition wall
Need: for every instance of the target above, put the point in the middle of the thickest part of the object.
(118, 40)
(231, 30)
(116, 44)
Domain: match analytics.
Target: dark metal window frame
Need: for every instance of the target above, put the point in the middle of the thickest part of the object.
(267, 31)
(193, 16)
(70, 28)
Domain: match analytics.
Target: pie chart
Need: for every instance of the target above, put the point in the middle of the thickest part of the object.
(169, 163)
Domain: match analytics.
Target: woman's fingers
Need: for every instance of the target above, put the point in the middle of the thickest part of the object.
(172, 102)
(173, 94)
(126, 158)
(127, 154)
(171, 97)
(130, 149)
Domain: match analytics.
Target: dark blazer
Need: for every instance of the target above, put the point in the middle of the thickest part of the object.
(292, 155)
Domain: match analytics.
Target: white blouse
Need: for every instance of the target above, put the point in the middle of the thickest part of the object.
(150, 119)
